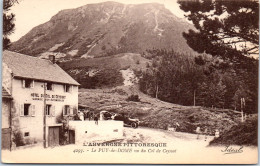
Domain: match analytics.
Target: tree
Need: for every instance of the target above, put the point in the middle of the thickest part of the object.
(8, 22)
(202, 94)
(228, 29)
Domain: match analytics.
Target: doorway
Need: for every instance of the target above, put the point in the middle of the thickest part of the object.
(54, 136)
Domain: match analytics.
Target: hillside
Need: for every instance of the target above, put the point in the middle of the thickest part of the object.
(154, 113)
(105, 29)
(106, 71)
(240, 134)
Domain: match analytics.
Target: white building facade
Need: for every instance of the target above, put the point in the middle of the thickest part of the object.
(42, 94)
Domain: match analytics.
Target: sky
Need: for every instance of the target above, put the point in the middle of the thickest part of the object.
(30, 13)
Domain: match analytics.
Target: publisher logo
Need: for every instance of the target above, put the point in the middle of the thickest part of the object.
(232, 150)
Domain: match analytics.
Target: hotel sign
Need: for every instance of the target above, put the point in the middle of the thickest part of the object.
(48, 97)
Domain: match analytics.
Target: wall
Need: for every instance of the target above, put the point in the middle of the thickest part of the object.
(6, 108)
(6, 78)
(86, 131)
(34, 124)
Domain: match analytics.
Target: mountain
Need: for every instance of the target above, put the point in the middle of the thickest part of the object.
(103, 29)
(110, 71)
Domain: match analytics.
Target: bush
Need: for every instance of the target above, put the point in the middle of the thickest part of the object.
(19, 139)
(119, 91)
(242, 134)
(133, 98)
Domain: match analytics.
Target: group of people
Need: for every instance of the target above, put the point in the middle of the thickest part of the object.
(87, 115)
(199, 132)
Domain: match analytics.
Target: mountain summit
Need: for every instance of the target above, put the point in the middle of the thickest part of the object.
(106, 29)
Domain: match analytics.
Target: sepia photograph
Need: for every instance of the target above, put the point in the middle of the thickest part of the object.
(130, 81)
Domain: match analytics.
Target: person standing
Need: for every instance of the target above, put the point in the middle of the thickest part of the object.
(198, 132)
(81, 116)
(90, 114)
(96, 119)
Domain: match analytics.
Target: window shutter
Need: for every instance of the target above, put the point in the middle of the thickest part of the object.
(64, 88)
(22, 110)
(71, 110)
(63, 110)
(52, 110)
(32, 107)
(32, 84)
(52, 86)
(30, 110)
(23, 83)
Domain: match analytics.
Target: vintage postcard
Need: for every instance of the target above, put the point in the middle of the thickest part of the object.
(130, 81)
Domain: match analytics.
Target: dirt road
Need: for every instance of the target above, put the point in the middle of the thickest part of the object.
(180, 148)
(142, 134)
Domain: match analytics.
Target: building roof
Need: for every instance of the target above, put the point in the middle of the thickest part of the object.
(5, 94)
(25, 66)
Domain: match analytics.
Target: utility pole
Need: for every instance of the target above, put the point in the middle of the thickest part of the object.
(243, 103)
(44, 116)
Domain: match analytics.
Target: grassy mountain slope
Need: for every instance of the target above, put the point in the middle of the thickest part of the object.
(106, 29)
(104, 71)
(158, 114)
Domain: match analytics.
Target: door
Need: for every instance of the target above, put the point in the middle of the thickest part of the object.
(54, 136)
(6, 138)
(72, 136)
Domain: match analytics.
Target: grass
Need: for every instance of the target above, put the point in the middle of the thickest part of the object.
(119, 61)
(154, 113)
(107, 69)
(240, 134)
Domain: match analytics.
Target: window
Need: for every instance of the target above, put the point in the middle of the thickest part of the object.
(49, 86)
(67, 88)
(48, 109)
(66, 110)
(26, 109)
(28, 83)
(26, 134)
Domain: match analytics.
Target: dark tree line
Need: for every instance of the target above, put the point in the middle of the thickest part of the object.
(228, 29)
(178, 78)
(8, 22)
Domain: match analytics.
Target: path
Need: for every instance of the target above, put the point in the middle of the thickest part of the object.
(186, 148)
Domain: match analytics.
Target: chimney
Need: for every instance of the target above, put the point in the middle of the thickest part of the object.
(52, 58)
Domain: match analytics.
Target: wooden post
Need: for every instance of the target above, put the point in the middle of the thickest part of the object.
(242, 109)
(44, 116)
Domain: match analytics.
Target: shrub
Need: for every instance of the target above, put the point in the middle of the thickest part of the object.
(18, 138)
(242, 134)
(133, 98)
(119, 91)
(63, 135)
